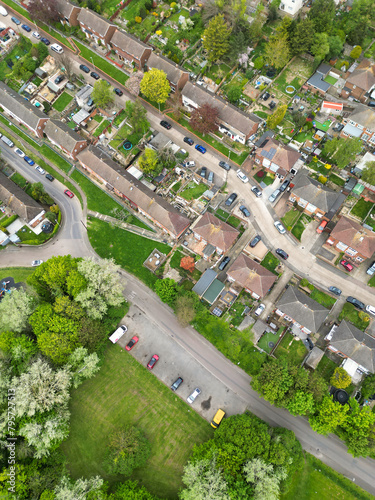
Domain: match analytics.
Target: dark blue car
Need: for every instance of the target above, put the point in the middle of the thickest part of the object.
(26, 28)
(200, 148)
(45, 40)
(29, 160)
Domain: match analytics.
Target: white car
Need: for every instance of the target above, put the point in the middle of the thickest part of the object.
(193, 396)
(259, 309)
(242, 176)
(57, 48)
(279, 227)
(40, 170)
(36, 263)
(189, 164)
(36, 35)
(19, 152)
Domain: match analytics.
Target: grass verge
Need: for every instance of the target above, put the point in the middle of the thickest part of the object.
(17, 273)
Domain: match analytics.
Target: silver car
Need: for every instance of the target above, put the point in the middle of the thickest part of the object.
(279, 227)
(193, 396)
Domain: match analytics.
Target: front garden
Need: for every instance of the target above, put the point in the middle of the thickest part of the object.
(270, 262)
(358, 318)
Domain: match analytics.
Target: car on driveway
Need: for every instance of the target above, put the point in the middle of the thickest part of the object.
(19, 152)
(279, 227)
(188, 141)
(69, 193)
(189, 164)
(40, 170)
(259, 309)
(193, 396)
(36, 263)
(210, 177)
(335, 290)
(229, 201)
(356, 303)
(36, 35)
(347, 265)
(255, 240)
(50, 177)
(84, 68)
(176, 384)
(166, 124)
(371, 270)
(282, 253)
(15, 20)
(94, 75)
(245, 211)
(153, 361)
(200, 148)
(242, 176)
(26, 28)
(284, 185)
(322, 226)
(224, 165)
(223, 264)
(203, 172)
(272, 197)
(45, 40)
(59, 79)
(29, 160)
(266, 96)
(129, 346)
(256, 191)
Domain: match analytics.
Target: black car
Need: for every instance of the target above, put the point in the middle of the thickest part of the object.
(59, 79)
(256, 191)
(166, 124)
(45, 40)
(118, 92)
(335, 290)
(245, 211)
(272, 105)
(203, 172)
(230, 199)
(188, 141)
(356, 303)
(266, 96)
(50, 177)
(176, 384)
(224, 165)
(94, 75)
(282, 253)
(255, 241)
(84, 68)
(223, 264)
(284, 185)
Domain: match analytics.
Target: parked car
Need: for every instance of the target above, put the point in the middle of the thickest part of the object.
(129, 346)
(45, 40)
(50, 177)
(40, 170)
(118, 92)
(256, 191)
(224, 165)
(176, 384)
(335, 290)
(153, 361)
(242, 176)
(189, 164)
(259, 309)
(36, 263)
(229, 201)
(346, 265)
(166, 124)
(371, 270)
(356, 303)
(26, 28)
(284, 185)
(282, 253)
(255, 241)
(272, 197)
(371, 310)
(19, 152)
(200, 148)
(216, 421)
(210, 177)
(203, 172)
(57, 48)
(69, 193)
(266, 96)
(321, 227)
(188, 141)
(272, 105)
(94, 75)
(15, 20)
(245, 211)
(29, 160)
(193, 395)
(84, 68)
(279, 227)
(223, 264)
(59, 79)
(36, 35)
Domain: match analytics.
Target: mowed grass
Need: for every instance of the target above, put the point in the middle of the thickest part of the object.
(61, 102)
(293, 353)
(127, 249)
(17, 273)
(125, 392)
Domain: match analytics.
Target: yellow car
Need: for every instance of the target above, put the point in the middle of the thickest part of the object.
(219, 415)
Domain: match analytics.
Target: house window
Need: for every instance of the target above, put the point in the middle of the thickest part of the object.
(359, 259)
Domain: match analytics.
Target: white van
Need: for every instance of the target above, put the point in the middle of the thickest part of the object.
(371, 310)
(3, 11)
(118, 334)
(7, 141)
(57, 48)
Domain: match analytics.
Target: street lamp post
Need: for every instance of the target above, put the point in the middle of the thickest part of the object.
(92, 62)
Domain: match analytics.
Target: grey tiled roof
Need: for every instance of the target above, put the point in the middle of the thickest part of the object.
(204, 282)
(94, 21)
(16, 199)
(20, 107)
(172, 70)
(128, 43)
(61, 134)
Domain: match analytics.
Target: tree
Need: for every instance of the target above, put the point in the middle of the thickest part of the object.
(342, 151)
(127, 449)
(273, 382)
(155, 86)
(330, 415)
(340, 378)
(368, 387)
(234, 94)
(15, 310)
(299, 119)
(277, 117)
(82, 365)
(166, 289)
(65, 61)
(359, 426)
(368, 173)
(102, 94)
(130, 490)
(166, 157)
(138, 118)
(149, 162)
(133, 84)
(204, 482)
(37, 190)
(92, 334)
(19, 348)
(80, 489)
(188, 263)
(322, 14)
(320, 46)
(259, 62)
(277, 52)
(336, 45)
(358, 25)
(302, 37)
(185, 309)
(204, 119)
(266, 480)
(302, 403)
(45, 11)
(50, 216)
(216, 38)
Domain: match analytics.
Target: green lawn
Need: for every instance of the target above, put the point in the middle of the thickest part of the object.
(293, 353)
(290, 218)
(265, 339)
(102, 126)
(362, 208)
(102, 63)
(17, 273)
(325, 368)
(125, 392)
(233, 221)
(28, 237)
(127, 249)
(337, 180)
(371, 281)
(123, 133)
(330, 79)
(270, 262)
(18, 179)
(350, 313)
(264, 177)
(298, 229)
(323, 298)
(193, 191)
(62, 101)
(119, 118)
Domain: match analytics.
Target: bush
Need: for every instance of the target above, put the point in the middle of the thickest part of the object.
(138, 19)
(322, 179)
(304, 282)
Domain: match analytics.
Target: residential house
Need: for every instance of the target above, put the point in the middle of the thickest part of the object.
(139, 197)
(237, 125)
(291, 7)
(357, 242)
(21, 203)
(360, 82)
(96, 27)
(315, 198)
(159, 142)
(351, 343)
(368, 157)
(361, 123)
(251, 276)
(22, 111)
(217, 235)
(176, 76)
(130, 50)
(332, 108)
(68, 12)
(208, 287)
(65, 138)
(316, 83)
(303, 313)
(83, 97)
(278, 158)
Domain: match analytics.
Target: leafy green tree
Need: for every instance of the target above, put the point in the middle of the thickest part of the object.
(303, 37)
(336, 45)
(273, 382)
(204, 482)
(81, 488)
(37, 191)
(204, 119)
(138, 118)
(82, 365)
(91, 334)
(322, 13)
(340, 378)
(64, 306)
(127, 449)
(299, 119)
(259, 62)
(131, 490)
(358, 426)
(166, 289)
(155, 86)
(234, 94)
(356, 52)
(102, 94)
(277, 117)
(368, 173)
(320, 46)
(302, 403)
(329, 416)
(277, 52)
(265, 479)
(19, 349)
(317, 386)
(358, 25)
(15, 309)
(185, 309)
(342, 151)
(368, 386)
(149, 162)
(216, 38)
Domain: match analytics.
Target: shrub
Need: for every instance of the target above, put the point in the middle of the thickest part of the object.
(364, 317)
(322, 179)
(356, 52)
(259, 62)
(304, 282)
(310, 287)
(138, 19)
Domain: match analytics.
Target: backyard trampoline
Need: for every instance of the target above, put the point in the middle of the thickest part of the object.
(127, 145)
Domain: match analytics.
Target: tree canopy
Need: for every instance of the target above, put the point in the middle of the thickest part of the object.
(216, 38)
(155, 86)
(102, 94)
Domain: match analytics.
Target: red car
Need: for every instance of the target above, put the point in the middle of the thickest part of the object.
(347, 265)
(152, 362)
(69, 193)
(131, 343)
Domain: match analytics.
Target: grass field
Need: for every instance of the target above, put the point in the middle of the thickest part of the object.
(18, 273)
(124, 392)
(290, 218)
(61, 102)
(362, 208)
(127, 249)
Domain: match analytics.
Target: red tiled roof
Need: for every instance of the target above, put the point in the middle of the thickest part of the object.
(354, 235)
(216, 232)
(251, 275)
